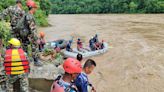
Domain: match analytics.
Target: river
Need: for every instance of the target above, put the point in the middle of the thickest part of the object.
(134, 64)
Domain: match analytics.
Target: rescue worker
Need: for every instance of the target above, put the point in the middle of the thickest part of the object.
(96, 42)
(15, 13)
(92, 45)
(16, 66)
(72, 68)
(68, 46)
(41, 41)
(79, 44)
(95, 38)
(82, 81)
(102, 44)
(29, 36)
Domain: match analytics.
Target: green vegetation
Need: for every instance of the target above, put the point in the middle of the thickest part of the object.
(41, 13)
(107, 6)
(5, 34)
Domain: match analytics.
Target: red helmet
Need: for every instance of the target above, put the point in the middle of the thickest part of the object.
(31, 3)
(56, 88)
(41, 34)
(72, 65)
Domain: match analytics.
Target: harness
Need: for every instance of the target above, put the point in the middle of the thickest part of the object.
(67, 88)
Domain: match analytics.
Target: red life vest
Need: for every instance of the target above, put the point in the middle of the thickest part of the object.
(79, 44)
(16, 62)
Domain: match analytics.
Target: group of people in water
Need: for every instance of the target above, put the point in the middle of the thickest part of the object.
(94, 44)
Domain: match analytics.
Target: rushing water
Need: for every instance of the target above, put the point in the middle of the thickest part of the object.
(135, 64)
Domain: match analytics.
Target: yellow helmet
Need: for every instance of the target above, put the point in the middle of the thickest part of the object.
(14, 42)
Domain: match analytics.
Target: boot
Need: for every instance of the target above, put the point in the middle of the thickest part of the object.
(37, 62)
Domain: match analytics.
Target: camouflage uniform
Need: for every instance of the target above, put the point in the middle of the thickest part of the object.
(29, 37)
(13, 80)
(15, 13)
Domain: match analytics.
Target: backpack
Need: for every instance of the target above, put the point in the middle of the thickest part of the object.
(20, 25)
(66, 89)
(21, 28)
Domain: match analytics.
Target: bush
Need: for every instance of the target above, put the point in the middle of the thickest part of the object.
(41, 18)
(40, 14)
(5, 34)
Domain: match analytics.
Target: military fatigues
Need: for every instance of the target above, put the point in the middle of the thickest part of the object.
(15, 13)
(29, 36)
(16, 79)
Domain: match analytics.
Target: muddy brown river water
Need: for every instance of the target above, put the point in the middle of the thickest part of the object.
(136, 61)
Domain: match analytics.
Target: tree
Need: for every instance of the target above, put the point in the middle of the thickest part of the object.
(133, 7)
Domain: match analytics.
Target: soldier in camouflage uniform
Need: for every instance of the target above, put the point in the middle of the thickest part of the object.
(15, 13)
(29, 33)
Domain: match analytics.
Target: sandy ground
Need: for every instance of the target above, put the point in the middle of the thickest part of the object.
(136, 61)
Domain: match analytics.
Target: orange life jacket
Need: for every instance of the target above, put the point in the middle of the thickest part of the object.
(16, 62)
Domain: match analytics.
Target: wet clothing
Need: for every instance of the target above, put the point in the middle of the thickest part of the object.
(82, 82)
(15, 13)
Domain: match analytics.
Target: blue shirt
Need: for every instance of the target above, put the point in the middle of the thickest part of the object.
(82, 82)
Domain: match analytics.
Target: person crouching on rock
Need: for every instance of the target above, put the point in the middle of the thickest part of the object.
(65, 83)
(41, 41)
(16, 66)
